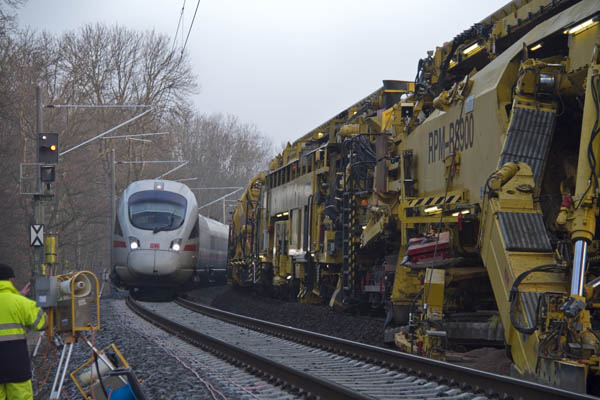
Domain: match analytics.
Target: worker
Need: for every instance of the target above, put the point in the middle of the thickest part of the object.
(17, 313)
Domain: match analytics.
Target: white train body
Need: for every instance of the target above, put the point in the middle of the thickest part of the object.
(156, 236)
(212, 252)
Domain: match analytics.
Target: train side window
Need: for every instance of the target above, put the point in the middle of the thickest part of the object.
(299, 222)
(294, 217)
(118, 230)
(195, 231)
(305, 230)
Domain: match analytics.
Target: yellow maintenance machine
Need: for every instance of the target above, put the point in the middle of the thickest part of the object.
(464, 203)
(244, 226)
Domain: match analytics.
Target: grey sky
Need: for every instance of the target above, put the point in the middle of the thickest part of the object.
(283, 65)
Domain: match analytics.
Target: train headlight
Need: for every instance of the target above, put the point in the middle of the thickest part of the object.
(134, 243)
(175, 245)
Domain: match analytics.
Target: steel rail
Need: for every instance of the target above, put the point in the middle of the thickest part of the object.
(489, 384)
(310, 384)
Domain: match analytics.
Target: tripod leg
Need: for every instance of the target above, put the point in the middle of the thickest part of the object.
(62, 370)
(65, 368)
(53, 393)
(37, 345)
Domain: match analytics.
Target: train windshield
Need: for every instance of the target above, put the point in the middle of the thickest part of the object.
(157, 210)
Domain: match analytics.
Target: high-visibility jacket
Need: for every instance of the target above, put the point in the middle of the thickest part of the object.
(17, 314)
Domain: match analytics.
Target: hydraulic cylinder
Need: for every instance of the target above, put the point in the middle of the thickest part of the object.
(584, 221)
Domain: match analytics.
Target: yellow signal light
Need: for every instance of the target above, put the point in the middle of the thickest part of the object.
(53, 147)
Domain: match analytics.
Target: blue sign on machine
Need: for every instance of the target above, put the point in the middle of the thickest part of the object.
(36, 235)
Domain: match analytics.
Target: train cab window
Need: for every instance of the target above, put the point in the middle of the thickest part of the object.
(157, 210)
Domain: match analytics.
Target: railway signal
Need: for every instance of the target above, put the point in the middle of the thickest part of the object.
(48, 148)
(48, 156)
(47, 173)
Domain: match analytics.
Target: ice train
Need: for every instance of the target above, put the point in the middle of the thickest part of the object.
(160, 244)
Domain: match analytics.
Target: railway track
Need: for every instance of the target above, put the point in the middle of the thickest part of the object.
(314, 365)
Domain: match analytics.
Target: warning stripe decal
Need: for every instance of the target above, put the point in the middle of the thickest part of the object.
(451, 198)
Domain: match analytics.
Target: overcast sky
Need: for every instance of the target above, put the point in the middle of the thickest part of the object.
(285, 66)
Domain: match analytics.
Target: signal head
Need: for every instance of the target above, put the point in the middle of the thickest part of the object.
(48, 148)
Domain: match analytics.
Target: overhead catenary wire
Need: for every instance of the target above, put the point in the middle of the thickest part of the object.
(97, 106)
(183, 164)
(136, 135)
(106, 132)
(220, 198)
(148, 161)
(178, 25)
(172, 54)
(190, 30)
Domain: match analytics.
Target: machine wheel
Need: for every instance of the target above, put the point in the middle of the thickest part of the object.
(400, 314)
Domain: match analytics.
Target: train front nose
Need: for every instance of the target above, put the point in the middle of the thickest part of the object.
(150, 262)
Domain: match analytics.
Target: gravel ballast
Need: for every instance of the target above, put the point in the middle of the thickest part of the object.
(168, 367)
(322, 319)
(158, 359)
(315, 318)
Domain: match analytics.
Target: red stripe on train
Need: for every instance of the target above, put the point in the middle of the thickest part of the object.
(190, 247)
(119, 243)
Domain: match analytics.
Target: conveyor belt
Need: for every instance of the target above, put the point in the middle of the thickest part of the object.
(528, 139)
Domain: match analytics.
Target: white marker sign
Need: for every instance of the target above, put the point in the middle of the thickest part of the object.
(36, 235)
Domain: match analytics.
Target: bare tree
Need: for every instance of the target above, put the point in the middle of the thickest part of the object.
(222, 152)
(100, 65)
(21, 64)
(8, 10)
(94, 65)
